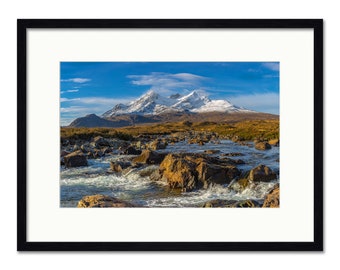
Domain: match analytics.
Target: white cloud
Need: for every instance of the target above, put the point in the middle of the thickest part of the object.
(275, 66)
(69, 99)
(80, 107)
(73, 109)
(262, 102)
(76, 80)
(167, 82)
(69, 91)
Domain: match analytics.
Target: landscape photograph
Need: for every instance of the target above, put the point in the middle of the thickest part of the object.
(170, 134)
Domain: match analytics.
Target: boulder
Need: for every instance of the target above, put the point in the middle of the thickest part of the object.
(262, 146)
(85, 148)
(211, 151)
(99, 141)
(75, 159)
(100, 201)
(231, 204)
(132, 151)
(150, 157)
(157, 144)
(179, 172)
(240, 185)
(262, 173)
(212, 173)
(190, 172)
(119, 166)
(272, 200)
(274, 142)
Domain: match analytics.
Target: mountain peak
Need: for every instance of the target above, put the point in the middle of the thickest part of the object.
(152, 103)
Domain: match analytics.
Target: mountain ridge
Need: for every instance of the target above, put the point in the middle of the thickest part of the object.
(154, 108)
(154, 103)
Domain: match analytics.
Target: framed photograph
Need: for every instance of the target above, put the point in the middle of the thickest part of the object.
(170, 135)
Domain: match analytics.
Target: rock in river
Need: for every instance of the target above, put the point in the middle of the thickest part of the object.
(157, 144)
(262, 146)
(190, 172)
(231, 204)
(150, 157)
(132, 151)
(100, 201)
(119, 166)
(262, 173)
(75, 159)
(272, 200)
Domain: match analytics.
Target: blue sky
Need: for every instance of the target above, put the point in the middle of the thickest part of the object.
(95, 87)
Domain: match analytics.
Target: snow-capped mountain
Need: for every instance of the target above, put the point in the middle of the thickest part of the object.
(152, 103)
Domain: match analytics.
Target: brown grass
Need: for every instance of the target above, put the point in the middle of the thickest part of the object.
(245, 130)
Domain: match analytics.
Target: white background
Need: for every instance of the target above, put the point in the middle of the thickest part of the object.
(291, 222)
(165, 9)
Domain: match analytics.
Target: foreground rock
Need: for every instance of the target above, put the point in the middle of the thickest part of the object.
(262, 146)
(232, 204)
(190, 172)
(272, 200)
(75, 159)
(150, 157)
(101, 201)
(262, 173)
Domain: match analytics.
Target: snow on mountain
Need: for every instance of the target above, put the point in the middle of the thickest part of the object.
(153, 103)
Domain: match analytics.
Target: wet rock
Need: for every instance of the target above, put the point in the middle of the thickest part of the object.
(246, 204)
(239, 161)
(100, 141)
(179, 172)
(261, 173)
(274, 142)
(240, 185)
(211, 151)
(64, 153)
(76, 147)
(101, 201)
(231, 204)
(272, 200)
(119, 166)
(98, 154)
(195, 171)
(132, 151)
(148, 171)
(212, 173)
(155, 176)
(262, 146)
(150, 157)
(75, 159)
(233, 154)
(90, 155)
(237, 138)
(157, 144)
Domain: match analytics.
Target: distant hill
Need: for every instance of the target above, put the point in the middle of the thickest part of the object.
(154, 108)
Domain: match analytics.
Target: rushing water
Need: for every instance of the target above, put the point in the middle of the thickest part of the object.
(131, 187)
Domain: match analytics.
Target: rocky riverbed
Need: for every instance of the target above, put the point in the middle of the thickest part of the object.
(182, 169)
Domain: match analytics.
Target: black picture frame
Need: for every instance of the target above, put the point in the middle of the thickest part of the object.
(22, 212)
